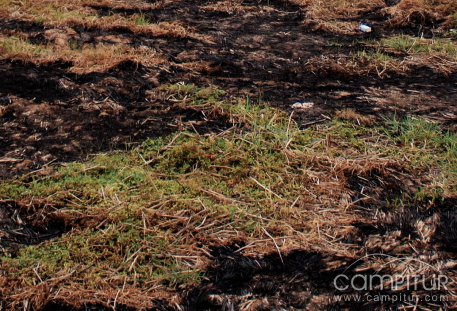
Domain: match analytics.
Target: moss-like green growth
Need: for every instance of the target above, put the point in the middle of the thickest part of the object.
(144, 221)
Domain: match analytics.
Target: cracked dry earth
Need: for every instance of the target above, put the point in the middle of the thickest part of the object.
(260, 50)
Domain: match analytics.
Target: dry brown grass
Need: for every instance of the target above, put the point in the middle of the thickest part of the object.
(353, 116)
(63, 43)
(231, 7)
(343, 16)
(358, 64)
(337, 16)
(59, 13)
(391, 55)
(85, 60)
(409, 12)
(137, 5)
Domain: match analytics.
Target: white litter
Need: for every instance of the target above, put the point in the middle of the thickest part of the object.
(302, 106)
(365, 28)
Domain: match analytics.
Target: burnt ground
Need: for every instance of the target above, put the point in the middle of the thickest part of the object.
(27, 223)
(49, 115)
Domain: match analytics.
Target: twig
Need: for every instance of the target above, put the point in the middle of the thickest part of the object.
(266, 188)
(274, 242)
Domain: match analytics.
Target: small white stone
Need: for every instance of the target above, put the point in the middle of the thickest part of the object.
(365, 28)
(302, 106)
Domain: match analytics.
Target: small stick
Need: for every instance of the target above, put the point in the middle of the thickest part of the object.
(266, 188)
(274, 242)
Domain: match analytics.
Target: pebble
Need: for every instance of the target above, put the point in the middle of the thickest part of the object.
(365, 28)
(302, 106)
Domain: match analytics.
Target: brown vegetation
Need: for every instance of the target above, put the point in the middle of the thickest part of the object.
(230, 202)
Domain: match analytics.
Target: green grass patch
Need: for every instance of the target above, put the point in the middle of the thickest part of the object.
(411, 45)
(147, 218)
(16, 46)
(141, 20)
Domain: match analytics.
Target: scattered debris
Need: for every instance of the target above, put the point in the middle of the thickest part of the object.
(365, 28)
(9, 160)
(340, 95)
(302, 106)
